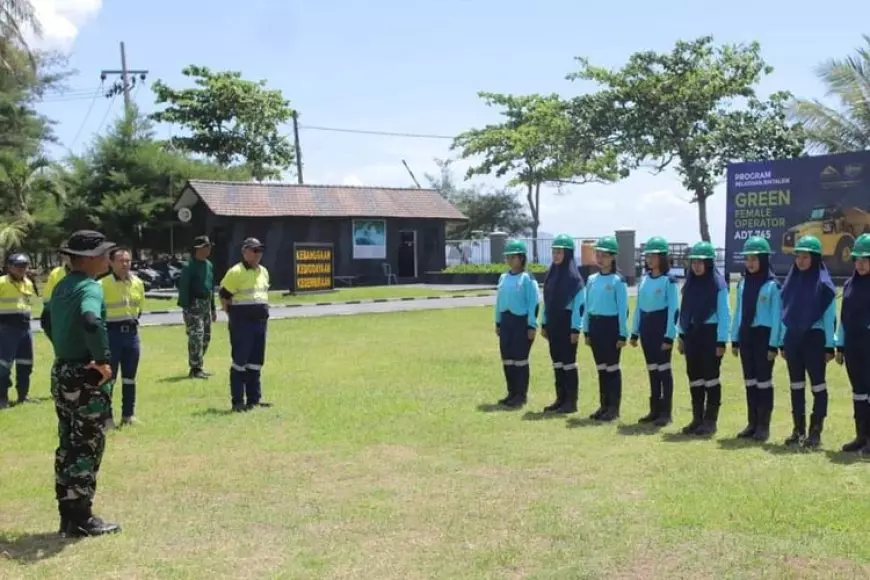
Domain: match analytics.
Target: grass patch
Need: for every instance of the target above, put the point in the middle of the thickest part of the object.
(376, 463)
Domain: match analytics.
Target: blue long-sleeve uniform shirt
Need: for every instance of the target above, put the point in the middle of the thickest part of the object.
(576, 306)
(768, 312)
(657, 293)
(606, 295)
(517, 294)
(827, 323)
(721, 318)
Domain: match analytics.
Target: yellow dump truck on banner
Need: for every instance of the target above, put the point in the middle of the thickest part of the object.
(313, 267)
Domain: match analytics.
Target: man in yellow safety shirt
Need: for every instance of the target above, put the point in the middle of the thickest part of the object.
(17, 292)
(244, 294)
(124, 294)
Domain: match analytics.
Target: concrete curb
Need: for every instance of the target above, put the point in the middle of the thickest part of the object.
(339, 303)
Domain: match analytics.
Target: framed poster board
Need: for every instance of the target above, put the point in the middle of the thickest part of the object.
(313, 267)
(369, 239)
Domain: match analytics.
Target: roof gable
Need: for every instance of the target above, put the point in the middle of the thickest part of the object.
(251, 199)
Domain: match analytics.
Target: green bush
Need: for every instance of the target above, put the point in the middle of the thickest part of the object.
(487, 268)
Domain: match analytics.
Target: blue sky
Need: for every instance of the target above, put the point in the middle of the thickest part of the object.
(416, 68)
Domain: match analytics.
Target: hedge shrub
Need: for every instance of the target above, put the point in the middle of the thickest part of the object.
(487, 268)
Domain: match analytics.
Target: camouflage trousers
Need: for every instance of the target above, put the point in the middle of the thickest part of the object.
(197, 323)
(82, 409)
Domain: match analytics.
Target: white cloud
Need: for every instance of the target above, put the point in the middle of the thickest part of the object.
(61, 21)
(352, 180)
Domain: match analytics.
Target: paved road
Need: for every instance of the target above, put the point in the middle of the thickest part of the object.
(313, 310)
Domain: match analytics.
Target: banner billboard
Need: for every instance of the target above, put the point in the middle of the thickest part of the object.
(369, 239)
(313, 267)
(827, 196)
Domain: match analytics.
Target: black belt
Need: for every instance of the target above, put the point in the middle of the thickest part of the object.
(125, 327)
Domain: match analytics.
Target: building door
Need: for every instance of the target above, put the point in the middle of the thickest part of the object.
(407, 254)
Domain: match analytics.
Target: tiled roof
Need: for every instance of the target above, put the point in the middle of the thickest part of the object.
(243, 199)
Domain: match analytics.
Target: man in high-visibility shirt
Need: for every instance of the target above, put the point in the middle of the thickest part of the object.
(244, 294)
(124, 293)
(55, 276)
(17, 292)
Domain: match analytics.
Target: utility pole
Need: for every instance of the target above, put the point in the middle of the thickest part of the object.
(127, 82)
(298, 147)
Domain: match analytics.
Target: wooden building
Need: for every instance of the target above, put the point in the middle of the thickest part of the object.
(375, 230)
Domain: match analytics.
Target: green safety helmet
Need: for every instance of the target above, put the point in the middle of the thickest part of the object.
(563, 241)
(810, 244)
(861, 249)
(702, 251)
(514, 247)
(756, 245)
(607, 244)
(656, 245)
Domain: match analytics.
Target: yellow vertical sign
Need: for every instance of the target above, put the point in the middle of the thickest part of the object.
(313, 267)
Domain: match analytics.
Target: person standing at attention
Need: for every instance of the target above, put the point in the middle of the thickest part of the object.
(809, 319)
(704, 325)
(124, 293)
(853, 342)
(196, 299)
(244, 294)
(756, 334)
(655, 324)
(605, 322)
(81, 383)
(17, 292)
(562, 322)
(516, 323)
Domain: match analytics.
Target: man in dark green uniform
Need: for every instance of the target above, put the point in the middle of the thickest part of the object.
(196, 298)
(80, 383)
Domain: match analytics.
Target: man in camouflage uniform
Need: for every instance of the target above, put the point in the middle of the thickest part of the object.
(80, 383)
(196, 298)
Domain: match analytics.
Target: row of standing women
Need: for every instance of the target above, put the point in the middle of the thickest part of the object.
(795, 320)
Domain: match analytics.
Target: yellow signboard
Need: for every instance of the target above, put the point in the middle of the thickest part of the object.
(313, 267)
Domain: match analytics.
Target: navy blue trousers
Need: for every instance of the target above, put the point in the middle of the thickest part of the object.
(703, 368)
(248, 344)
(16, 349)
(857, 356)
(515, 346)
(125, 348)
(757, 370)
(563, 353)
(653, 326)
(603, 333)
(805, 356)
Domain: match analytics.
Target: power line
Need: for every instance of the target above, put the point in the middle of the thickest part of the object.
(106, 116)
(380, 133)
(87, 116)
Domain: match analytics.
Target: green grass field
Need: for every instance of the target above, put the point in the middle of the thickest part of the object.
(376, 463)
(340, 295)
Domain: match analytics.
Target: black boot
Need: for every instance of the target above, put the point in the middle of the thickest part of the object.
(799, 432)
(860, 440)
(814, 439)
(697, 394)
(509, 382)
(614, 398)
(602, 396)
(666, 404)
(653, 412)
(571, 392)
(711, 414)
(83, 523)
(560, 391)
(751, 414)
(765, 410)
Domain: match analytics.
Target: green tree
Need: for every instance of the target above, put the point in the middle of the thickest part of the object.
(15, 17)
(542, 140)
(847, 126)
(229, 120)
(487, 211)
(696, 108)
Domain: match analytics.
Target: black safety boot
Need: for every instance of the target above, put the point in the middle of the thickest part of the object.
(653, 412)
(197, 374)
(860, 440)
(814, 439)
(799, 432)
(697, 394)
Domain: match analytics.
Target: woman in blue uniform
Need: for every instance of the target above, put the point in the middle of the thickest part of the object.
(853, 342)
(809, 317)
(516, 322)
(655, 324)
(605, 323)
(562, 322)
(704, 319)
(756, 334)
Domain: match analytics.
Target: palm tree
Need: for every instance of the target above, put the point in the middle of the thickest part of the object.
(847, 127)
(15, 16)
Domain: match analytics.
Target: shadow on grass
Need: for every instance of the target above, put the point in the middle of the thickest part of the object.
(31, 548)
(212, 412)
(576, 422)
(542, 415)
(733, 444)
(31, 401)
(177, 379)
(635, 429)
(680, 437)
(843, 458)
(496, 408)
(783, 449)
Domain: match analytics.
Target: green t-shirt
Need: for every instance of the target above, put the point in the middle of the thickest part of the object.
(196, 282)
(72, 336)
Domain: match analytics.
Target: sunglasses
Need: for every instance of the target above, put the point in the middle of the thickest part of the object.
(256, 250)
